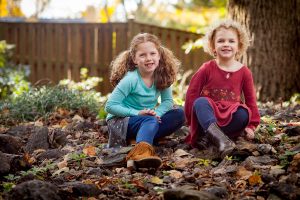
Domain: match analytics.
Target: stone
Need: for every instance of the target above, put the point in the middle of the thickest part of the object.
(177, 194)
(80, 189)
(19, 131)
(220, 192)
(51, 154)
(5, 163)
(35, 190)
(37, 140)
(10, 144)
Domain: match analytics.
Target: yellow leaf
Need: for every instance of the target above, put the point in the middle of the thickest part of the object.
(90, 151)
(156, 180)
(63, 123)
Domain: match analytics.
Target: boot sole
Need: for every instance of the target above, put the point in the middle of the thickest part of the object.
(144, 163)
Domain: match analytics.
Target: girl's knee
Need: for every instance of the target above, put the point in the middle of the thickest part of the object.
(242, 115)
(179, 115)
(150, 120)
(201, 101)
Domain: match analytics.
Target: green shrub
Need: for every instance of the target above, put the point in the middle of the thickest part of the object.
(13, 78)
(42, 101)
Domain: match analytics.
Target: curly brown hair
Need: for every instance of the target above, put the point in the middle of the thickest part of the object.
(208, 42)
(164, 74)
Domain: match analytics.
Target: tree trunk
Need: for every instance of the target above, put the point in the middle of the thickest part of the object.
(274, 53)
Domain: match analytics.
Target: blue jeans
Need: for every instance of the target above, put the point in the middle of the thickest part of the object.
(206, 117)
(145, 128)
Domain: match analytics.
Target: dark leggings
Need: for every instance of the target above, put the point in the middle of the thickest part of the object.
(206, 117)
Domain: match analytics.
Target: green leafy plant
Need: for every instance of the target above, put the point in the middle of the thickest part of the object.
(204, 162)
(42, 101)
(13, 78)
(286, 158)
(8, 186)
(179, 86)
(86, 83)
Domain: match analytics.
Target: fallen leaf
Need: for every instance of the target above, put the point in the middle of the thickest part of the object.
(63, 112)
(63, 123)
(156, 180)
(240, 184)
(57, 172)
(89, 151)
(62, 164)
(175, 174)
(87, 181)
(182, 163)
(77, 118)
(180, 153)
(255, 179)
(38, 123)
(243, 173)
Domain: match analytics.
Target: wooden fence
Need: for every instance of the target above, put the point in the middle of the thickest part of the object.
(57, 51)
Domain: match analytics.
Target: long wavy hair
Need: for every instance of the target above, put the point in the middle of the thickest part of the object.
(164, 74)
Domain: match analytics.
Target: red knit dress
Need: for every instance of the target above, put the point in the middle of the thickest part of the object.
(223, 90)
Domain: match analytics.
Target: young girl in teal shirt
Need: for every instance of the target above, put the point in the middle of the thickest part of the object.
(141, 75)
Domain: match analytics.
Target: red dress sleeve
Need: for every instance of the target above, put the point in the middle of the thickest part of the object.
(195, 87)
(250, 100)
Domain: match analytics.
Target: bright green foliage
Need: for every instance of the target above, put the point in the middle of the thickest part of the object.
(86, 83)
(13, 78)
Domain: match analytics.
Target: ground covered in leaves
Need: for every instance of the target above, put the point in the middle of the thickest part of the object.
(66, 157)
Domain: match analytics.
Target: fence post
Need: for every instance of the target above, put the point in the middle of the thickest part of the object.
(130, 24)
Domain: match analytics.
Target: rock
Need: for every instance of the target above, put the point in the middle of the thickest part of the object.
(5, 164)
(275, 171)
(253, 162)
(266, 149)
(57, 138)
(10, 144)
(51, 154)
(38, 140)
(117, 158)
(19, 131)
(80, 189)
(273, 197)
(35, 190)
(293, 131)
(285, 190)
(177, 194)
(220, 192)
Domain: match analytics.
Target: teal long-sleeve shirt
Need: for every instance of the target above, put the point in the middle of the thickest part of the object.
(131, 95)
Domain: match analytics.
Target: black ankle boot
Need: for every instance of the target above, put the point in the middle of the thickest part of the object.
(220, 140)
(202, 141)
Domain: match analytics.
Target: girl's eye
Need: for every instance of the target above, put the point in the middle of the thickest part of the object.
(153, 53)
(232, 41)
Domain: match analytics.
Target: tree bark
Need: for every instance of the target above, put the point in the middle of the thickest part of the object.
(274, 53)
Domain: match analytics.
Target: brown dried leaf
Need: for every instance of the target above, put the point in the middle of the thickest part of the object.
(89, 151)
(176, 174)
(63, 123)
(240, 184)
(243, 173)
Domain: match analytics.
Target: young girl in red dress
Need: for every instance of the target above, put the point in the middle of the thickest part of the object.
(220, 101)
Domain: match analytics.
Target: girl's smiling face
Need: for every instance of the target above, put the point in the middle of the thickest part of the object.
(146, 58)
(226, 43)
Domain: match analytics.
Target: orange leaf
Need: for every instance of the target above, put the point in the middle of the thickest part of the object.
(63, 123)
(255, 180)
(90, 151)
